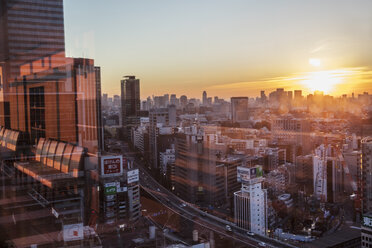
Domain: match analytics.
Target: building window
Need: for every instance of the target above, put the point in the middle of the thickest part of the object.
(37, 113)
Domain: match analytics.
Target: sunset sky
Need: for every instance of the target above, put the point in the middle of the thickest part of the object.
(228, 48)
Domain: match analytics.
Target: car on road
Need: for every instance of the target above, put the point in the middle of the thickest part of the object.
(250, 233)
(203, 214)
(158, 190)
(183, 205)
(262, 244)
(228, 228)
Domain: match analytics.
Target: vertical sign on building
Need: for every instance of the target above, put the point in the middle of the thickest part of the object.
(133, 176)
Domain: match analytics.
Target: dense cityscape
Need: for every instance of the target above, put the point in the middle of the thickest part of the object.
(84, 168)
(307, 151)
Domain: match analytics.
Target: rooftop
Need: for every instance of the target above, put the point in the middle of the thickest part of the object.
(339, 237)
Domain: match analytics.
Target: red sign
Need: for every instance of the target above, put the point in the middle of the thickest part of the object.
(111, 165)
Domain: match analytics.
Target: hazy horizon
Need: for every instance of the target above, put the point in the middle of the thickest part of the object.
(226, 48)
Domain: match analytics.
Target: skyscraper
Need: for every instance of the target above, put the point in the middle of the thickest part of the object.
(183, 101)
(29, 31)
(205, 98)
(43, 93)
(286, 130)
(53, 103)
(162, 121)
(251, 201)
(298, 95)
(130, 103)
(239, 109)
(198, 179)
(173, 99)
(263, 96)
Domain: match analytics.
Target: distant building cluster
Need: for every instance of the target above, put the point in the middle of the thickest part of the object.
(309, 153)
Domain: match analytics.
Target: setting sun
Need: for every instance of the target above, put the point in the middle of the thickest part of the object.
(314, 62)
(323, 80)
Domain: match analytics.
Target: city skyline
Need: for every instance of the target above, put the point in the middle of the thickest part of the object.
(228, 49)
(267, 92)
(185, 167)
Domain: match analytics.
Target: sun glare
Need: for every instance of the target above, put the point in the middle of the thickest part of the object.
(323, 80)
(314, 62)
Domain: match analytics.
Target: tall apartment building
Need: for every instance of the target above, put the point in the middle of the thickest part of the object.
(227, 176)
(199, 178)
(271, 159)
(130, 103)
(304, 174)
(366, 175)
(140, 137)
(239, 109)
(277, 181)
(166, 162)
(162, 121)
(328, 175)
(250, 203)
(293, 132)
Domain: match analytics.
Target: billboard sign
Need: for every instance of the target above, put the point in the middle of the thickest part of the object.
(111, 190)
(245, 174)
(133, 176)
(111, 184)
(112, 165)
(73, 232)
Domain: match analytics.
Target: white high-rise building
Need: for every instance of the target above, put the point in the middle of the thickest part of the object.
(320, 173)
(328, 174)
(251, 201)
(367, 175)
(366, 230)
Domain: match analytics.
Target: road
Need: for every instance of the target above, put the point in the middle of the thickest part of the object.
(188, 211)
